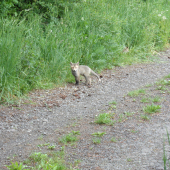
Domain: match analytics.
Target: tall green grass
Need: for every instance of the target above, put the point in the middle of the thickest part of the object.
(94, 32)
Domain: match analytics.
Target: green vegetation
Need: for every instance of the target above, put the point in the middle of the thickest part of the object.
(149, 99)
(96, 140)
(145, 117)
(99, 134)
(69, 138)
(51, 147)
(39, 160)
(113, 139)
(104, 118)
(40, 38)
(136, 92)
(152, 108)
(165, 158)
(145, 100)
(123, 116)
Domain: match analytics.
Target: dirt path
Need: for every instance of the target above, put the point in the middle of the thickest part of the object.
(138, 144)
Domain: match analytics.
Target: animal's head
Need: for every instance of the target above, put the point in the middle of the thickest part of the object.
(74, 66)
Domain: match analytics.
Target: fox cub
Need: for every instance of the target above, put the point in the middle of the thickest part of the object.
(83, 70)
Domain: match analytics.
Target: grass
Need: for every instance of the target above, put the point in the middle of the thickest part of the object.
(165, 158)
(155, 99)
(99, 134)
(145, 117)
(35, 55)
(104, 118)
(123, 116)
(40, 160)
(113, 139)
(145, 100)
(136, 93)
(96, 141)
(150, 109)
(69, 138)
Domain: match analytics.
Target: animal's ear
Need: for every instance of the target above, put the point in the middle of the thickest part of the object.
(71, 63)
(77, 63)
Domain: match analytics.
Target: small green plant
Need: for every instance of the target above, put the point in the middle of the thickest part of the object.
(37, 157)
(16, 166)
(145, 100)
(96, 140)
(99, 134)
(156, 99)
(134, 131)
(111, 107)
(104, 118)
(40, 137)
(145, 117)
(129, 160)
(41, 145)
(69, 138)
(76, 132)
(152, 109)
(51, 147)
(113, 139)
(113, 102)
(165, 159)
(161, 88)
(136, 92)
(128, 114)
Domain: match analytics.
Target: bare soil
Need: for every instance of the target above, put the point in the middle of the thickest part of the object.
(49, 114)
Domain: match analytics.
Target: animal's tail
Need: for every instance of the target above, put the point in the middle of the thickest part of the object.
(92, 72)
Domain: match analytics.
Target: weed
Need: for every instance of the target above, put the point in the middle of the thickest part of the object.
(161, 88)
(99, 134)
(165, 158)
(111, 107)
(40, 137)
(129, 159)
(134, 131)
(104, 118)
(152, 109)
(156, 99)
(128, 114)
(113, 139)
(113, 102)
(145, 100)
(70, 138)
(145, 117)
(16, 166)
(96, 140)
(51, 147)
(136, 92)
(76, 132)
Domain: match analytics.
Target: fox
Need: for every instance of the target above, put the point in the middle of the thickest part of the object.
(83, 70)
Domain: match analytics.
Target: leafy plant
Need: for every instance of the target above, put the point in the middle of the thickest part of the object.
(113, 139)
(16, 166)
(96, 140)
(69, 138)
(99, 134)
(145, 117)
(152, 109)
(156, 99)
(145, 100)
(136, 92)
(104, 118)
(51, 147)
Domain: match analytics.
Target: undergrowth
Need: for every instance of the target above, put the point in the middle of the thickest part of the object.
(35, 54)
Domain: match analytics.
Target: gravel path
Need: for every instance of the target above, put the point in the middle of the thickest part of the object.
(48, 114)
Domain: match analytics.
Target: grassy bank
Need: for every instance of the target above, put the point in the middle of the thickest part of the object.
(93, 32)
